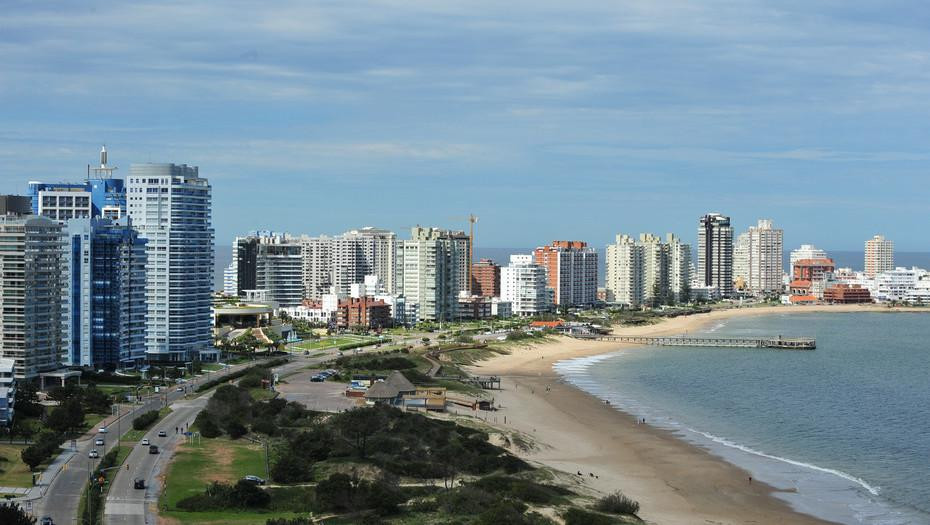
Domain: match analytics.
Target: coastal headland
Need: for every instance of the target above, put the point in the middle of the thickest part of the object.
(675, 482)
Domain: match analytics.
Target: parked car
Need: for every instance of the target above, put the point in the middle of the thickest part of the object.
(138, 483)
(254, 479)
(317, 379)
(93, 454)
(103, 430)
(153, 449)
(162, 433)
(145, 442)
(98, 442)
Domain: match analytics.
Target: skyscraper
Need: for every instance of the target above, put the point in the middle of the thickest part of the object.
(30, 291)
(715, 253)
(279, 270)
(170, 206)
(104, 296)
(758, 257)
(571, 269)
(879, 255)
(100, 195)
(432, 268)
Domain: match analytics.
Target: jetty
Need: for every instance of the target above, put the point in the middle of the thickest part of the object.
(794, 343)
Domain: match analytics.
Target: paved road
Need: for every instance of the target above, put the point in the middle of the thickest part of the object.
(61, 496)
(126, 505)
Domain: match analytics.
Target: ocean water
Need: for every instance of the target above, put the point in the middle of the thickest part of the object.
(844, 429)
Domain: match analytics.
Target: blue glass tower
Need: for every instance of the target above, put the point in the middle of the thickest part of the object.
(105, 303)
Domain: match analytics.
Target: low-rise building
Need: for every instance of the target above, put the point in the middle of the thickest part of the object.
(364, 312)
(846, 294)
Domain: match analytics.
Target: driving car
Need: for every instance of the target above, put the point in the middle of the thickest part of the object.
(93, 454)
(162, 433)
(103, 430)
(254, 479)
(46, 520)
(145, 442)
(138, 483)
(98, 442)
(153, 449)
(179, 389)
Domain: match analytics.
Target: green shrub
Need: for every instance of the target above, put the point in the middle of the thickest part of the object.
(617, 503)
(145, 420)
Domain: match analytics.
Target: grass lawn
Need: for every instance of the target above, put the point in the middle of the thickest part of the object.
(261, 394)
(92, 420)
(13, 472)
(195, 466)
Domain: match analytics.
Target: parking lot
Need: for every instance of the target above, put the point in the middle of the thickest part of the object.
(325, 396)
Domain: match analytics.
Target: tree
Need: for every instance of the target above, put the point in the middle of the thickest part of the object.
(68, 416)
(336, 492)
(96, 401)
(32, 456)
(359, 424)
(12, 514)
(27, 400)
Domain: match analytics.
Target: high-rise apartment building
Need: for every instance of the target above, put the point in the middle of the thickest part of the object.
(30, 291)
(366, 251)
(571, 267)
(624, 271)
(758, 258)
(648, 270)
(879, 256)
(525, 285)
(715, 253)
(432, 268)
(170, 206)
(486, 278)
(99, 196)
(679, 269)
(245, 261)
(317, 254)
(279, 270)
(104, 294)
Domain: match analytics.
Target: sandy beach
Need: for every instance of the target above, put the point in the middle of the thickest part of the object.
(675, 482)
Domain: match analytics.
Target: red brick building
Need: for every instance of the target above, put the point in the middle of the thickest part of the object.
(847, 294)
(486, 278)
(363, 311)
(812, 269)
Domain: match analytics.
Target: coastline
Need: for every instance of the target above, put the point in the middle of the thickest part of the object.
(674, 481)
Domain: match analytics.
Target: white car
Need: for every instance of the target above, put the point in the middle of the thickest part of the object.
(103, 430)
(99, 442)
(145, 442)
(94, 454)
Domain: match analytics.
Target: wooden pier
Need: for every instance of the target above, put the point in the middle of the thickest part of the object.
(795, 343)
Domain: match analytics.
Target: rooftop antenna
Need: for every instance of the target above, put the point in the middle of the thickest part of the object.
(104, 171)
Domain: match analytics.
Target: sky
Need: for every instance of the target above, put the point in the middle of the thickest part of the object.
(547, 120)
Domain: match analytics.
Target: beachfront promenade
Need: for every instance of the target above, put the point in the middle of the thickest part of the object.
(796, 343)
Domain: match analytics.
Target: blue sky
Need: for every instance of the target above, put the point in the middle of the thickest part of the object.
(546, 119)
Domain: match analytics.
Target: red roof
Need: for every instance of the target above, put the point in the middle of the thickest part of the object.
(800, 283)
(546, 324)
